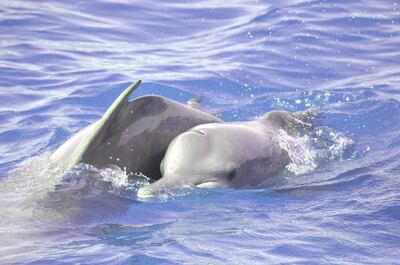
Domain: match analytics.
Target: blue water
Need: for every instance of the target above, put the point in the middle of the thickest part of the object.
(62, 63)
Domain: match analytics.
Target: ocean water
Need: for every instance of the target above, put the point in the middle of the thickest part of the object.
(62, 63)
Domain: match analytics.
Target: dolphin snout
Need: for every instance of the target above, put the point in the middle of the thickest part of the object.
(157, 188)
(145, 192)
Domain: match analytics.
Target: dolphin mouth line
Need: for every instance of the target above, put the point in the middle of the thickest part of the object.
(208, 184)
(147, 192)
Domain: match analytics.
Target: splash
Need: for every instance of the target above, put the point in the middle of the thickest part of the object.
(37, 192)
(302, 155)
(110, 178)
(313, 149)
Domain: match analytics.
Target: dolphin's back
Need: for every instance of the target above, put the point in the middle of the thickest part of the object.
(135, 135)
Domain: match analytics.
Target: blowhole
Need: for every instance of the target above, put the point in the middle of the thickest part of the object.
(200, 132)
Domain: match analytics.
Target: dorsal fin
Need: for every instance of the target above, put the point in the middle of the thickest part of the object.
(109, 115)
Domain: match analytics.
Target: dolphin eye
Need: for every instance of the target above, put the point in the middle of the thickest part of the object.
(231, 174)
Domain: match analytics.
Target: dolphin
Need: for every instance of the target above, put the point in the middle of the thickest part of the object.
(133, 135)
(229, 155)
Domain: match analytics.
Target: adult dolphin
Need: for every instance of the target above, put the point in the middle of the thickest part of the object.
(132, 135)
(229, 155)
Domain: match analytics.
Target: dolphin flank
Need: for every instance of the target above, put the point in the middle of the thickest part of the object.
(132, 135)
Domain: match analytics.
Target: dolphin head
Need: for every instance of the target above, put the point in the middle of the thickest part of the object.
(208, 156)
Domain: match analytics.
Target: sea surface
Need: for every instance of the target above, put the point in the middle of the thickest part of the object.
(62, 63)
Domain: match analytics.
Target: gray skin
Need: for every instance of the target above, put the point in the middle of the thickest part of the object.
(132, 135)
(228, 155)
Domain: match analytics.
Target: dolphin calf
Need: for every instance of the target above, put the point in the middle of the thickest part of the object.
(132, 135)
(228, 155)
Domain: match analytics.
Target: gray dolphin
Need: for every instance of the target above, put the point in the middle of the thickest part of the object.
(132, 135)
(228, 155)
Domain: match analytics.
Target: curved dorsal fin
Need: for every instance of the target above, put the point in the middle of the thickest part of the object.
(94, 134)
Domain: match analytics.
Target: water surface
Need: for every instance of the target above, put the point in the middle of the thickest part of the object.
(62, 63)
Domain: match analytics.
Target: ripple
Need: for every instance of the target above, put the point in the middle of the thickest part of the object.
(62, 65)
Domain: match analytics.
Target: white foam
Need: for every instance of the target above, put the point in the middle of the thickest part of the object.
(309, 151)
